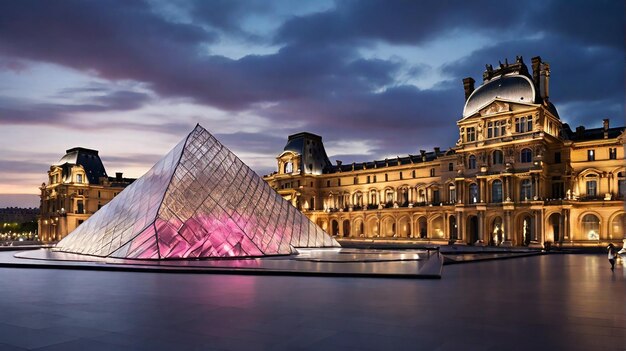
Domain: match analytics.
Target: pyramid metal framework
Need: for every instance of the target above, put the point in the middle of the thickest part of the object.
(199, 201)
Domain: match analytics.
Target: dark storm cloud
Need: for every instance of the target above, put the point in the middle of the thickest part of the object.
(23, 166)
(318, 77)
(399, 22)
(253, 142)
(127, 160)
(226, 15)
(15, 111)
(590, 78)
(399, 119)
(591, 23)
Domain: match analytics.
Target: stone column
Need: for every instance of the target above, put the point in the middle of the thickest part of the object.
(460, 232)
(507, 225)
(481, 224)
(539, 226)
(566, 234)
(622, 252)
(505, 188)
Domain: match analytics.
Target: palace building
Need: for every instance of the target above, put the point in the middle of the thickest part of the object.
(518, 176)
(78, 186)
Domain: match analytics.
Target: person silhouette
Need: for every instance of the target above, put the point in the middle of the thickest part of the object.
(612, 255)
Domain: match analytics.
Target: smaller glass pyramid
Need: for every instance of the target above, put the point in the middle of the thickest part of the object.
(199, 201)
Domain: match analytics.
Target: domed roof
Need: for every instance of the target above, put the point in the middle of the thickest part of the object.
(514, 88)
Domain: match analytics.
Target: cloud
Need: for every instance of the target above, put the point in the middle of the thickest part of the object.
(23, 166)
(399, 22)
(18, 111)
(591, 77)
(318, 78)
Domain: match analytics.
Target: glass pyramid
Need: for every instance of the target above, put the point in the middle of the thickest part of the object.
(199, 201)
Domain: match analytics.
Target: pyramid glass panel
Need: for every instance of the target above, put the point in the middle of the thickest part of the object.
(199, 201)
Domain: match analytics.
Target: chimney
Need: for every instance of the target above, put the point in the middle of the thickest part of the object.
(118, 176)
(468, 85)
(580, 130)
(544, 79)
(536, 65)
(605, 126)
(423, 154)
(437, 149)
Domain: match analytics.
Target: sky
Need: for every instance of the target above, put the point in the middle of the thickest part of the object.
(375, 79)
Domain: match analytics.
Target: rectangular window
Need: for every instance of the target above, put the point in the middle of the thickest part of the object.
(356, 180)
(524, 124)
(557, 157)
(81, 191)
(338, 182)
(621, 188)
(557, 190)
(79, 178)
(471, 134)
(496, 129)
(592, 188)
(400, 175)
(591, 155)
(612, 153)
(368, 179)
(450, 166)
(374, 179)
(80, 207)
(328, 183)
(413, 173)
(386, 177)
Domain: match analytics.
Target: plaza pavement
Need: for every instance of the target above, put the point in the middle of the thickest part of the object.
(546, 302)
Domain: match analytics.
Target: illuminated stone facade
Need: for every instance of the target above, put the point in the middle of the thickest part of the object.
(517, 176)
(77, 187)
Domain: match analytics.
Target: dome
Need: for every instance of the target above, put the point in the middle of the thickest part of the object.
(514, 88)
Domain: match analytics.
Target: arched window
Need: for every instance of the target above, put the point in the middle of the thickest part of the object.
(404, 196)
(421, 197)
(496, 191)
(591, 227)
(471, 163)
(422, 227)
(497, 157)
(526, 156)
(617, 227)
(373, 198)
(526, 190)
(389, 197)
(357, 199)
(288, 168)
(451, 193)
(473, 193)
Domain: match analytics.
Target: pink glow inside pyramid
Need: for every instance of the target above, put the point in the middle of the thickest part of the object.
(199, 201)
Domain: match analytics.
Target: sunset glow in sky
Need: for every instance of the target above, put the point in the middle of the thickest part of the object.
(375, 79)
